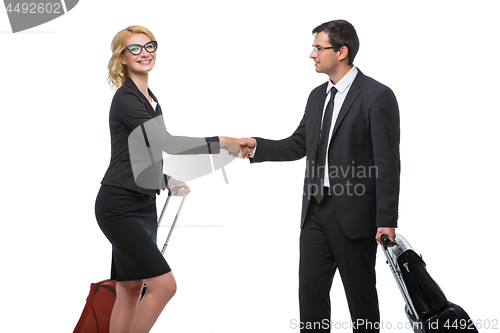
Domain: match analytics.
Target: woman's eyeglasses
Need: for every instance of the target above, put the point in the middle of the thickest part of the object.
(136, 49)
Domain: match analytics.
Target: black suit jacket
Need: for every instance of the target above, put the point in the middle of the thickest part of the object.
(363, 156)
(139, 138)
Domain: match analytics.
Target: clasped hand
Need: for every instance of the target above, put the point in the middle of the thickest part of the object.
(241, 148)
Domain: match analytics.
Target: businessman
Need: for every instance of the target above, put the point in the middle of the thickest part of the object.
(349, 135)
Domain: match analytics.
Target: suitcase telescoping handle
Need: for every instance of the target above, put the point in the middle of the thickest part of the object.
(170, 192)
(386, 241)
(397, 275)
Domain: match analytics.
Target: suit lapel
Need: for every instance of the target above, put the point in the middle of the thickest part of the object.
(156, 114)
(130, 83)
(153, 112)
(349, 100)
(149, 107)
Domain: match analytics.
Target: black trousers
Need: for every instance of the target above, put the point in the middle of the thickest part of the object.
(324, 247)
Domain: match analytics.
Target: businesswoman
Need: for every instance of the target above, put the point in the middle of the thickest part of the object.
(125, 206)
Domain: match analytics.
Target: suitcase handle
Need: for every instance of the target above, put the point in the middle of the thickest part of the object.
(397, 274)
(172, 191)
(386, 241)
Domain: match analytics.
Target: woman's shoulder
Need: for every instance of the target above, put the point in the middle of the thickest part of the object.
(125, 95)
(128, 106)
(126, 88)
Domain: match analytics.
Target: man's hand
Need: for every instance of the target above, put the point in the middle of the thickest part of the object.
(388, 231)
(248, 146)
(233, 146)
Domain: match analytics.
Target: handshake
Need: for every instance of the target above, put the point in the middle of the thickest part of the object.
(241, 148)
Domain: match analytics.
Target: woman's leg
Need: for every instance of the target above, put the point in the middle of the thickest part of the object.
(159, 291)
(128, 294)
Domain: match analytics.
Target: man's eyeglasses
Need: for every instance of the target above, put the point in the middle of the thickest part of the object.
(318, 48)
(136, 49)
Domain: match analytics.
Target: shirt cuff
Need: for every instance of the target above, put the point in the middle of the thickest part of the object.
(254, 150)
(213, 145)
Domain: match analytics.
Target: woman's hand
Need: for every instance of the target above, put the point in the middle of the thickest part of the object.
(177, 188)
(232, 145)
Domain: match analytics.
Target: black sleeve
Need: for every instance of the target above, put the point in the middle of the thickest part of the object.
(289, 149)
(130, 110)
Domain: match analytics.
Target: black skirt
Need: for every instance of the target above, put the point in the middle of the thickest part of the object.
(128, 219)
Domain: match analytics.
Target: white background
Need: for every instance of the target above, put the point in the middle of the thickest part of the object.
(242, 69)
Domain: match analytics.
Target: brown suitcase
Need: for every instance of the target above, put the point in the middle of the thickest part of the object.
(101, 299)
(97, 310)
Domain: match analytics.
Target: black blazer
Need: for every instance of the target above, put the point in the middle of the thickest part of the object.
(363, 157)
(138, 139)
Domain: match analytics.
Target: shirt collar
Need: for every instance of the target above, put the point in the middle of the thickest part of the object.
(345, 82)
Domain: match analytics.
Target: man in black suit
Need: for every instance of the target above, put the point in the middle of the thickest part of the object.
(350, 136)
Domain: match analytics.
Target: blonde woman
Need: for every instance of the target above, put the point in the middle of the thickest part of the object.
(125, 206)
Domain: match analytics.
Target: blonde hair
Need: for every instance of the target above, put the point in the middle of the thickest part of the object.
(118, 73)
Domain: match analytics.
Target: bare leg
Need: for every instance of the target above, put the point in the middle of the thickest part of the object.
(128, 294)
(159, 291)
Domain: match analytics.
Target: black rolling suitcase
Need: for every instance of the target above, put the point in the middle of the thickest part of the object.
(427, 308)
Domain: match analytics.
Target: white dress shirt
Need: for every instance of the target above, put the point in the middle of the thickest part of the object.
(342, 89)
(153, 104)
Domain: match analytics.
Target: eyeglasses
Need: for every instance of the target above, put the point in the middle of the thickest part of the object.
(318, 48)
(136, 49)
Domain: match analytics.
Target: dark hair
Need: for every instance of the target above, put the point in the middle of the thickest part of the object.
(341, 33)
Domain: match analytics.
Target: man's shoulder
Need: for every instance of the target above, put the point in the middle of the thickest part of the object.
(321, 89)
(371, 83)
(374, 90)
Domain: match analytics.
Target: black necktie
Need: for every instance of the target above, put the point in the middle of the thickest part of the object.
(319, 169)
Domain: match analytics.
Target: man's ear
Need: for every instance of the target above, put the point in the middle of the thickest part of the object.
(344, 51)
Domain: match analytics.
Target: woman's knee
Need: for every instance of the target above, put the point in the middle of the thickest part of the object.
(168, 285)
(163, 286)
